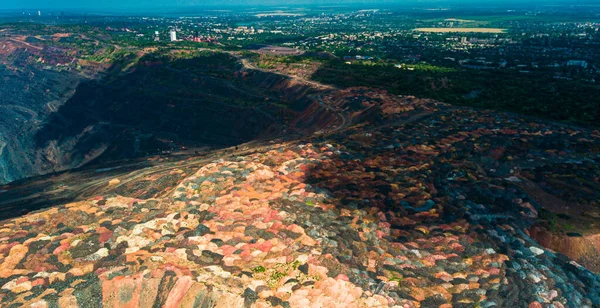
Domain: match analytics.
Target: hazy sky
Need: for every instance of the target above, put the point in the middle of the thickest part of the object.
(148, 4)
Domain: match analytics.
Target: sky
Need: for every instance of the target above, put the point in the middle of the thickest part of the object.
(153, 4)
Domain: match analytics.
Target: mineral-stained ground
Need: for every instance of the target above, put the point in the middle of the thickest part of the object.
(396, 202)
(310, 196)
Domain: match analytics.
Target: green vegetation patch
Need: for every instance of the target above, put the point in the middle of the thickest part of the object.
(539, 95)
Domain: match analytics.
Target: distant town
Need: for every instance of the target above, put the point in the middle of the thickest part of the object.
(476, 58)
(526, 41)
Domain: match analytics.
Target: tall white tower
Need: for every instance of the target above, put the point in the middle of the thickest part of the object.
(173, 35)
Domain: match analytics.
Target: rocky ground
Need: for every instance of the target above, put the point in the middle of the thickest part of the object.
(405, 203)
(69, 100)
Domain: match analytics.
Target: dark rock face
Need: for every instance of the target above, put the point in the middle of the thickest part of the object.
(28, 97)
(151, 109)
(156, 106)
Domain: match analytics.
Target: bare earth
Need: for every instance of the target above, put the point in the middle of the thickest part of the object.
(459, 20)
(277, 14)
(478, 30)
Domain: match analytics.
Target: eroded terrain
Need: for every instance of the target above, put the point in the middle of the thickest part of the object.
(412, 203)
(319, 197)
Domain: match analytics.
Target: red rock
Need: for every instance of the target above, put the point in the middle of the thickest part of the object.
(535, 305)
(104, 234)
(342, 277)
(228, 250)
(38, 282)
(272, 215)
(277, 225)
(266, 246)
(178, 292)
(457, 247)
(21, 280)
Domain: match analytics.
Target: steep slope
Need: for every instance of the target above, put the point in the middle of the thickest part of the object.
(413, 203)
(30, 92)
(316, 196)
(139, 105)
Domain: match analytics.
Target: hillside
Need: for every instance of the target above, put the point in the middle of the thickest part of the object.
(196, 179)
(62, 110)
(398, 201)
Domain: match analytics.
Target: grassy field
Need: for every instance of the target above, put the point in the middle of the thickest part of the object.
(448, 30)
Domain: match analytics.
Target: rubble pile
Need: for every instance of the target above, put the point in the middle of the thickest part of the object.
(432, 209)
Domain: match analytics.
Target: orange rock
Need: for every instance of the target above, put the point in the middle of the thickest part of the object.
(57, 277)
(129, 286)
(80, 271)
(37, 282)
(418, 293)
(308, 241)
(535, 305)
(189, 299)
(495, 280)
(473, 285)
(15, 255)
(67, 301)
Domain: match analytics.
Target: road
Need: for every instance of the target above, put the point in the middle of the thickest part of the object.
(249, 66)
(344, 118)
(346, 121)
(26, 44)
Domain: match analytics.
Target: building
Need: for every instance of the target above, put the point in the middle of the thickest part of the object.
(579, 63)
(173, 35)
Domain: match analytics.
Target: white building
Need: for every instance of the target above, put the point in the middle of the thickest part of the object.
(173, 35)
